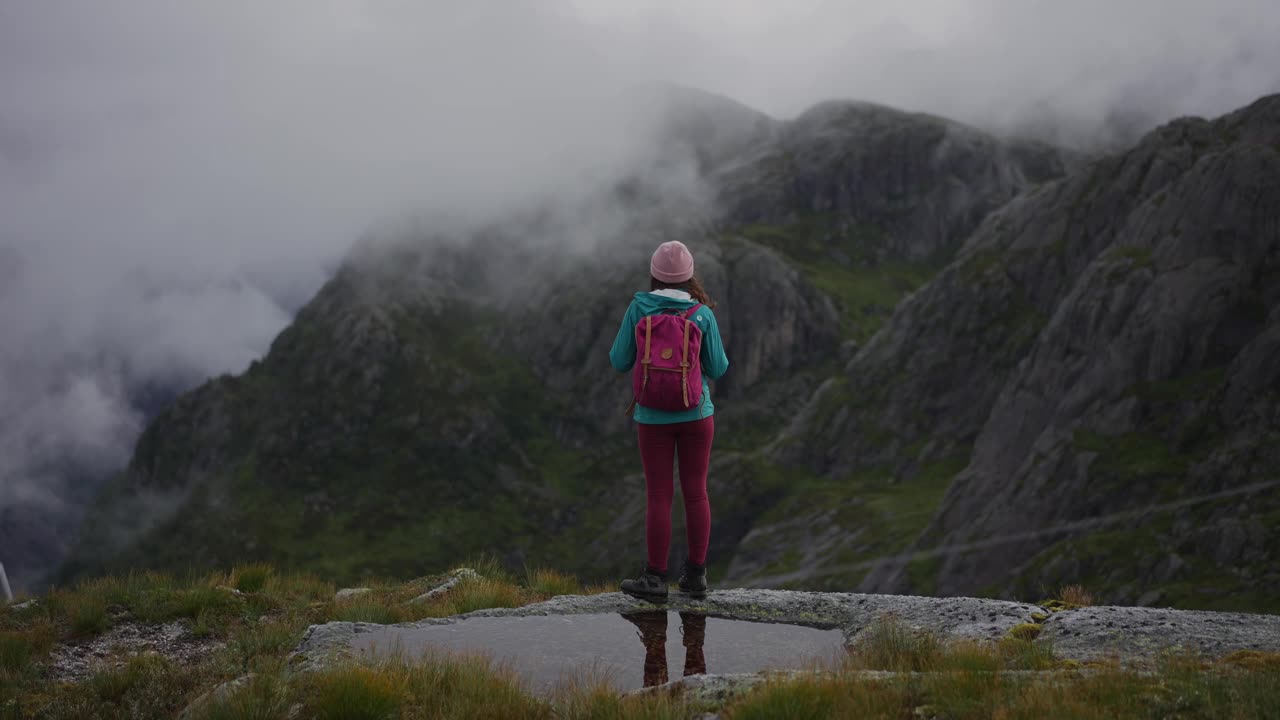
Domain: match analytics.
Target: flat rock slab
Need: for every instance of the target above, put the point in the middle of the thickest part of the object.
(1130, 634)
(1144, 633)
(851, 613)
(969, 618)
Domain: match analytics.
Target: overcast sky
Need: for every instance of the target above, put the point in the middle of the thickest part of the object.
(176, 177)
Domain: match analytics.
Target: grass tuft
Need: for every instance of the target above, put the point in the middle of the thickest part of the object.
(481, 593)
(551, 583)
(302, 587)
(815, 696)
(20, 648)
(1019, 654)
(370, 607)
(87, 614)
(207, 600)
(262, 697)
(1076, 595)
(1025, 631)
(270, 639)
(888, 645)
(111, 684)
(1253, 660)
(488, 566)
(251, 578)
(358, 693)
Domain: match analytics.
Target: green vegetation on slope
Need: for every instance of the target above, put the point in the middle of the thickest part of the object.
(1108, 560)
(382, 442)
(878, 514)
(850, 263)
(448, 451)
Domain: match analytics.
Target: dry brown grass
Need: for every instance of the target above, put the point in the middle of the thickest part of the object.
(1076, 595)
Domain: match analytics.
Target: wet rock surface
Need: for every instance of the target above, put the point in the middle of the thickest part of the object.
(627, 650)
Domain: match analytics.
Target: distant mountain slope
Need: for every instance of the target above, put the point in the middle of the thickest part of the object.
(1101, 364)
(445, 395)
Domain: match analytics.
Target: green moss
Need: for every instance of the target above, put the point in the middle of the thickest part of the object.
(1130, 456)
(1025, 631)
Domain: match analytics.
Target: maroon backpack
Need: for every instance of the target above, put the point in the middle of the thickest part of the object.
(668, 371)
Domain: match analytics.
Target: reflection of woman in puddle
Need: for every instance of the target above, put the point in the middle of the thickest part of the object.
(653, 633)
(676, 316)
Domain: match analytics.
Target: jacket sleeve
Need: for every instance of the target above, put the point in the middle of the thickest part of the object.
(714, 361)
(623, 353)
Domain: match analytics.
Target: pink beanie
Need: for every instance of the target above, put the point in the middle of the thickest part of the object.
(672, 262)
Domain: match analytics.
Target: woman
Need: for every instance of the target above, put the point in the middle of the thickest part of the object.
(672, 423)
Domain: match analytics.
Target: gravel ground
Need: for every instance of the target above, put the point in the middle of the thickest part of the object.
(76, 661)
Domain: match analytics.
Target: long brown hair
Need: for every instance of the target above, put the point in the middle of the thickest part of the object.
(693, 286)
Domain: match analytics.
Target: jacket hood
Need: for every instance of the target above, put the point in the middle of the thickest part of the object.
(649, 303)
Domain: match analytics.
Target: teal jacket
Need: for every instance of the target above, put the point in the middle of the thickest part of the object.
(712, 357)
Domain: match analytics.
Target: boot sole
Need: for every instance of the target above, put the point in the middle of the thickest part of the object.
(651, 597)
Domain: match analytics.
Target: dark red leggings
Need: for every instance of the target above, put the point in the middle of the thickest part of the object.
(659, 446)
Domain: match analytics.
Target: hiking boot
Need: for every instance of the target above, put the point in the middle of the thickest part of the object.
(651, 585)
(693, 580)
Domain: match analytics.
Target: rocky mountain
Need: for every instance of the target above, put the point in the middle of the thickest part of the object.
(938, 339)
(1099, 363)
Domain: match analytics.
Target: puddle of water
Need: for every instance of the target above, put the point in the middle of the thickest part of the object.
(631, 650)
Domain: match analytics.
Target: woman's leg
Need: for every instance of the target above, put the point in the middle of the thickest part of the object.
(657, 455)
(694, 447)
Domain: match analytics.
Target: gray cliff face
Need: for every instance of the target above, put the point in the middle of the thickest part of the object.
(925, 181)
(1147, 383)
(1107, 346)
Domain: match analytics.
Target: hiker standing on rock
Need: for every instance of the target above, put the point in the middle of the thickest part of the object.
(670, 341)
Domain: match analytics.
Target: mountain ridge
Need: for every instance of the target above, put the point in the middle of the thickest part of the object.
(362, 424)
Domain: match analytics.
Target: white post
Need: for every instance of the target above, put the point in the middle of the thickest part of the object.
(4, 586)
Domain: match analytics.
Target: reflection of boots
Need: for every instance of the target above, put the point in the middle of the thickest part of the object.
(653, 633)
(694, 629)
